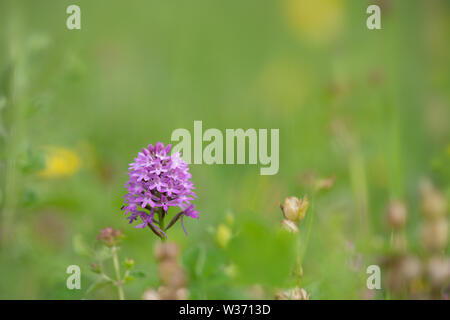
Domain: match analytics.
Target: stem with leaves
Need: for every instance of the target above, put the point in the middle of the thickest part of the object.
(119, 282)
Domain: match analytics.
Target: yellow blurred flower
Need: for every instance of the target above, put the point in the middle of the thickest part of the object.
(60, 162)
(317, 21)
(223, 235)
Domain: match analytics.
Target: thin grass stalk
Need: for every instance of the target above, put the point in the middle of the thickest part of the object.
(117, 270)
(14, 134)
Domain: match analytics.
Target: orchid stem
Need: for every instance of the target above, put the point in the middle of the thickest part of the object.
(161, 222)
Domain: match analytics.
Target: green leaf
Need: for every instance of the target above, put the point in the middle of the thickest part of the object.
(29, 197)
(100, 283)
(31, 160)
(137, 274)
(203, 261)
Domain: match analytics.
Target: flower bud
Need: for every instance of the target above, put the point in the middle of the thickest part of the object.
(95, 267)
(110, 237)
(129, 263)
(223, 235)
(294, 209)
(289, 225)
(397, 215)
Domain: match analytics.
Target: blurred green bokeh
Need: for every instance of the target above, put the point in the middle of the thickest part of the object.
(371, 108)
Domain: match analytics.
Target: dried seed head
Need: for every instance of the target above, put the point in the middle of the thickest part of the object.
(294, 209)
(181, 294)
(397, 215)
(171, 274)
(289, 225)
(434, 235)
(150, 294)
(302, 295)
(167, 293)
(411, 268)
(166, 251)
(403, 272)
(438, 271)
(434, 203)
(292, 294)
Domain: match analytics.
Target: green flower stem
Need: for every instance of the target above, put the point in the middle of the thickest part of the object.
(117, 269)
(105, 276)
(308, 231)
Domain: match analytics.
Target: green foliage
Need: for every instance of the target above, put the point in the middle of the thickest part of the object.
(206, 269)
(368, 107)
(262, 254)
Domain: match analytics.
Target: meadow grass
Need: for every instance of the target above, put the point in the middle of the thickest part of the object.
(370, 108)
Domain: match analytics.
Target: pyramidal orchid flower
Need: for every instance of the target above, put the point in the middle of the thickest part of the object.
(158, 181)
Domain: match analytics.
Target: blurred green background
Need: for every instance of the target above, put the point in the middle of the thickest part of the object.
(370, 108)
